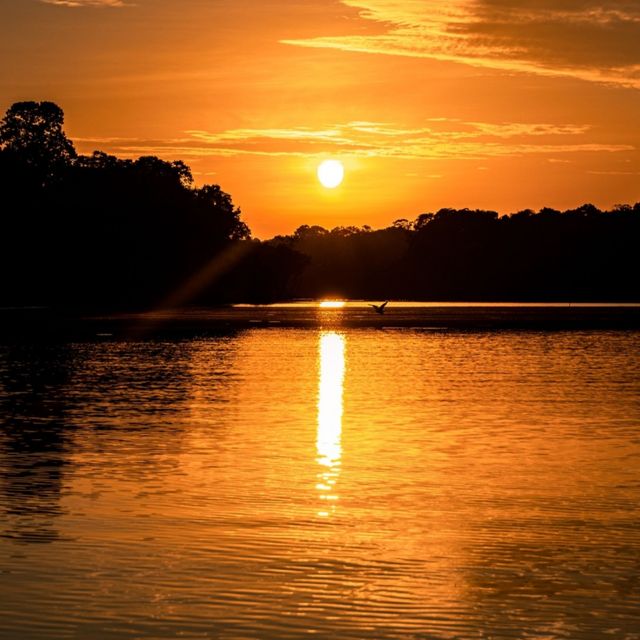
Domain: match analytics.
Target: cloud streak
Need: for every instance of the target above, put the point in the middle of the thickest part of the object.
(593, 40)
(438, 139)
(86, 3)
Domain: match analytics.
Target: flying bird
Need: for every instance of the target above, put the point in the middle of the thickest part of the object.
(379, 308)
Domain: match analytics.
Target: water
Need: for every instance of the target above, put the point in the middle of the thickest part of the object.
(356, 483)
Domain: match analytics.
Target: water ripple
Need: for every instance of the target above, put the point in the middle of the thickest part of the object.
(339, 483)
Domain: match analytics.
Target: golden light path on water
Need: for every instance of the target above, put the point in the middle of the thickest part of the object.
(349, 483)
(330, 391)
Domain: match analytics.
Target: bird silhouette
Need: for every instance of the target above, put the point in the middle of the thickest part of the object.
(379, 308)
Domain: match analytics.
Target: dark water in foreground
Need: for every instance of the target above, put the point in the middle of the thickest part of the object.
(356, 483)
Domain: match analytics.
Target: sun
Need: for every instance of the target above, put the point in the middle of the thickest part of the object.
(330, 173)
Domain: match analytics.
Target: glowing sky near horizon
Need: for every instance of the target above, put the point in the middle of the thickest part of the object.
(496, 104)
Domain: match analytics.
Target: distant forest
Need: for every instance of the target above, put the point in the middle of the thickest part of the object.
(102, 232)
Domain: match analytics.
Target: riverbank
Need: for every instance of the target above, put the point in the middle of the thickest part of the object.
(36, 323)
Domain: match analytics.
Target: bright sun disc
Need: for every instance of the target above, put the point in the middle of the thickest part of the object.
(332, 304)
(330, 173)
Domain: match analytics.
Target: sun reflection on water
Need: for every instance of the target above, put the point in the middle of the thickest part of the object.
(330, 390)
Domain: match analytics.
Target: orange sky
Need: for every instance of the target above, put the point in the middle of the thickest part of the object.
(497, 104)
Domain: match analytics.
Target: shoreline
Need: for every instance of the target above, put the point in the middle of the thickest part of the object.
(42, 323)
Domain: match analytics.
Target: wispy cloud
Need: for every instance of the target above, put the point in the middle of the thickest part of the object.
(615, 173)
(87, 3)
(437, 139)
(595, 40)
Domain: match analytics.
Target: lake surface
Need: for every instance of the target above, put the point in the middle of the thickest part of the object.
(327, 482)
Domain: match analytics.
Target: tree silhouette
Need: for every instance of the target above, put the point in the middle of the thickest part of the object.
(31, 134)
(462, 254)
(101, 231)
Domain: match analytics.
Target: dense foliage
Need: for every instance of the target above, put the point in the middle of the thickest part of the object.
(579, 254)
(102, 231)
(97, 229)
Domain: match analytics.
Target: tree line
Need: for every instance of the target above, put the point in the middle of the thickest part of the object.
(101, 231)
(475, 255)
